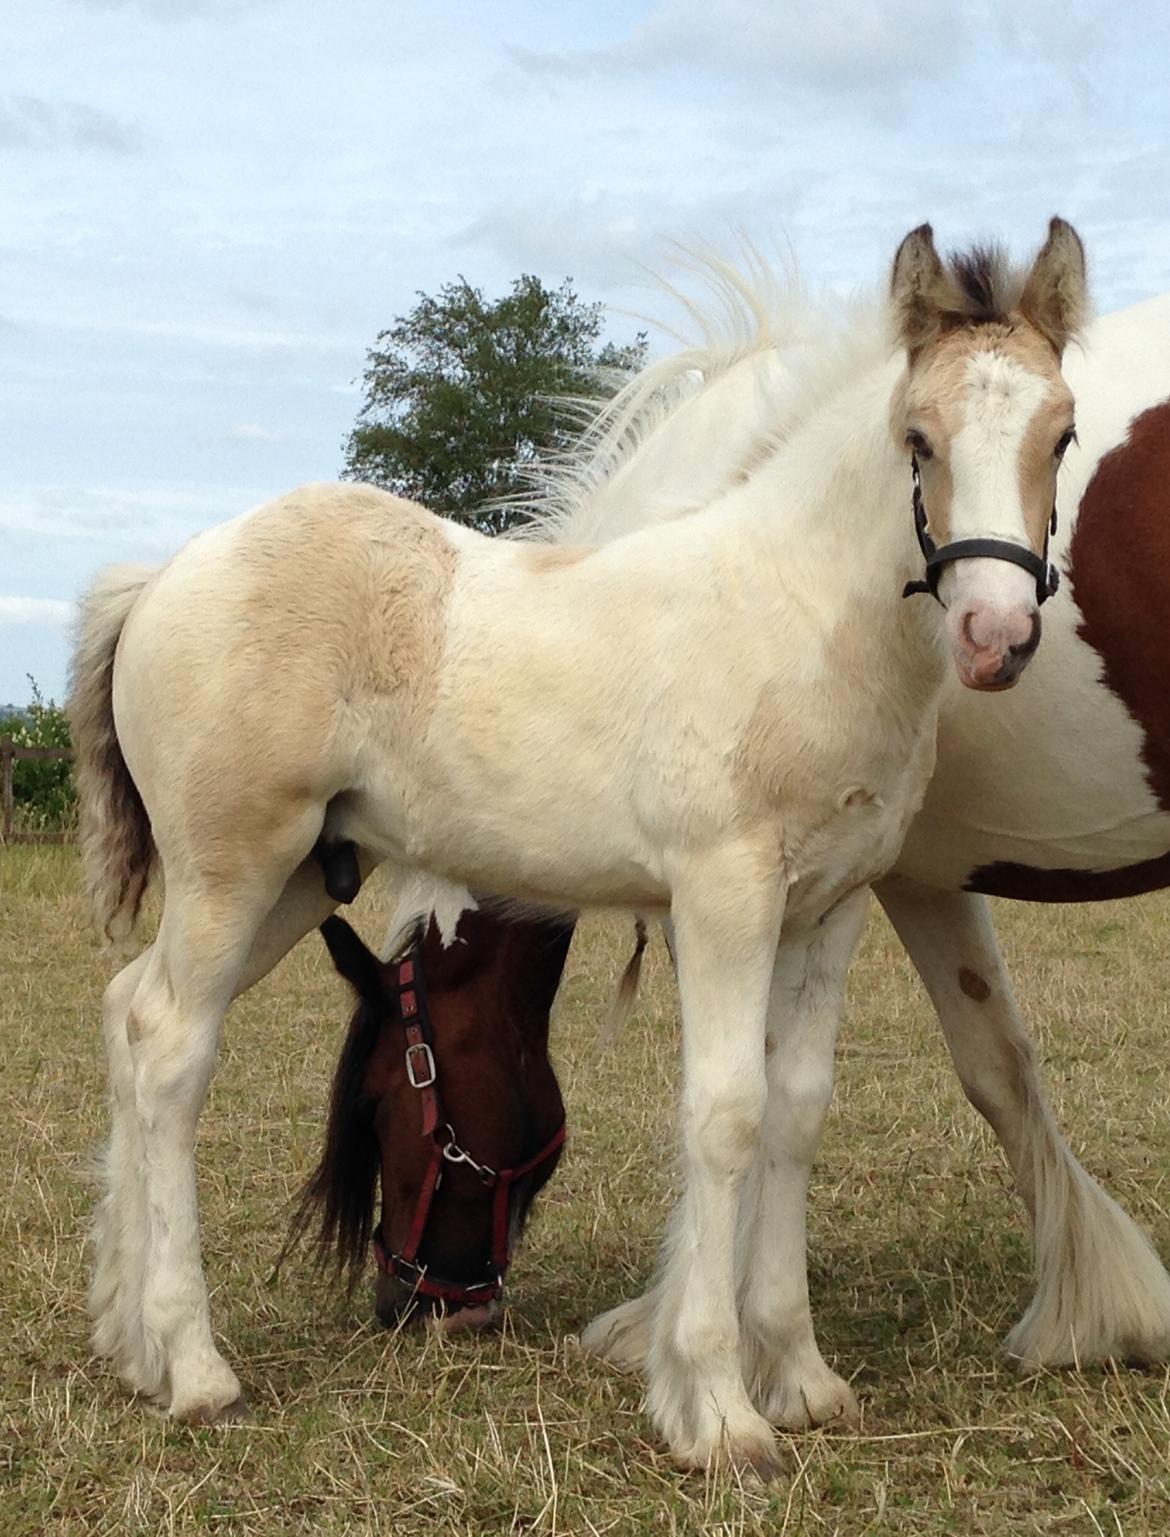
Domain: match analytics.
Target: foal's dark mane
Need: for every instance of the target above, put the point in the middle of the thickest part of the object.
(985, 287)
(982, 276)
(340, 1193)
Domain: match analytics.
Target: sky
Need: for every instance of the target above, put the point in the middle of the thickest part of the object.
(210, 208)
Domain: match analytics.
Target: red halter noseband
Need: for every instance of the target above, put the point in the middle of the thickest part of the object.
(423, 1076)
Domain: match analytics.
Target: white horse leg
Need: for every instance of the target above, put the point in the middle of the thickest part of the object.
(121, 1233)
(788, 1379)
(163, 1018)
(726, 928)
(121, 1227)
(1101, 1290)
(621, 1335)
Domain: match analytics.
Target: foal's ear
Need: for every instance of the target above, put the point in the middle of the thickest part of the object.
(354, 959)
(1055, 297)
(918, 289)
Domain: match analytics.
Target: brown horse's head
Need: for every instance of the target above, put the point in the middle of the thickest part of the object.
(494, 1099)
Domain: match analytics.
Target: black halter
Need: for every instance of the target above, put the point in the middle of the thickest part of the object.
(1039, 567)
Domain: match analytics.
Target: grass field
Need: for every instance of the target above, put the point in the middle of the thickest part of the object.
(920, 1263)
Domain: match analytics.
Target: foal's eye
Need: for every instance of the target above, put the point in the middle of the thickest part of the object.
(1063, 441)
(917, 444)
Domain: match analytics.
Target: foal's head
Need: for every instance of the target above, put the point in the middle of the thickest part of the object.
(987, 417)
(444, 1076)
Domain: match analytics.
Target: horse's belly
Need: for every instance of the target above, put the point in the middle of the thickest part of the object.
(526, 840)
(1042, 793)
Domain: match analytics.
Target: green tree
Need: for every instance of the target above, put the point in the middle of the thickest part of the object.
(461, 394)
(42, 790)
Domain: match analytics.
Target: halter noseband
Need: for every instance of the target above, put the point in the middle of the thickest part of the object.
(423, 1076)
(1038, 567)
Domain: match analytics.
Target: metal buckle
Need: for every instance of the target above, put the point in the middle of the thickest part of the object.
(453, 1153)
(417, 1081)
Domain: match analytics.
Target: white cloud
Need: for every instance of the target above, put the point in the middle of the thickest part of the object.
(140, 520)
(31, 122)
(838, 45)
(253, 432)
(36, 611)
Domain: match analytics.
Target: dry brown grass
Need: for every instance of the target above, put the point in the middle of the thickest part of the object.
(920, 1262)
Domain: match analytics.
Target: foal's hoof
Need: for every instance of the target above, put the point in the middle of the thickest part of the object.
(753, 1458)
(810, 1401)
(206, 1393)
(207, 1414)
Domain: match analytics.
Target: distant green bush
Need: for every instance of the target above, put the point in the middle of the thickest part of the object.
(44, 793)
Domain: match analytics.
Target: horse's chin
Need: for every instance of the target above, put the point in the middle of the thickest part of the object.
(396, 1305)
(485, 1316)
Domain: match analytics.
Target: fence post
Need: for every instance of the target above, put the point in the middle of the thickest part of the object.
(7, 760)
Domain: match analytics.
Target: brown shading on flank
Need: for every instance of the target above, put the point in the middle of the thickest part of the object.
(1119, 570)
(1119, 575)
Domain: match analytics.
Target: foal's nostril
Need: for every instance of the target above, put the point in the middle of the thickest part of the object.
(1026, 647)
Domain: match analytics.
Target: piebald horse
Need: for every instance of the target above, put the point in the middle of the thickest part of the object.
(729, 719)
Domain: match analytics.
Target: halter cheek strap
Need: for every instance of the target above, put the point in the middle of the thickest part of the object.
(422, 1074)
(1039, 567)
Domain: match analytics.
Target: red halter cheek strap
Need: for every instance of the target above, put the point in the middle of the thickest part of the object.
(423, 1076)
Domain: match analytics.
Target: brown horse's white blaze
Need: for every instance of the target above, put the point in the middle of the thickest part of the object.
(681, 721)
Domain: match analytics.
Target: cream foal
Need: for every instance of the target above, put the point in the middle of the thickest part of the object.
(729, 718)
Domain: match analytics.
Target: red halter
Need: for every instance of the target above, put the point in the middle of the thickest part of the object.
(423, 1076)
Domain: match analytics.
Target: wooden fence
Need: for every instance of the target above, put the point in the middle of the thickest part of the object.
(9, 753)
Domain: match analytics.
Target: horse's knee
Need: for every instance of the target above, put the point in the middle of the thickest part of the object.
(724, 1126)
(800, 1099)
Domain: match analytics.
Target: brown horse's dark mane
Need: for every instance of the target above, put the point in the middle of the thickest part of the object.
(341, 1191)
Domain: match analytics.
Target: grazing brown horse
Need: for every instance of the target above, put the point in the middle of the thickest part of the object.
(444, 1093)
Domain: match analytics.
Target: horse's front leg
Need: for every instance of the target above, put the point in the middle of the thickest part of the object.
(788, 1379)
(726, 924)
(1101, 1290)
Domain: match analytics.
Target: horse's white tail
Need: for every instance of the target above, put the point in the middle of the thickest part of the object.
(1101, 1291)
(117, 846)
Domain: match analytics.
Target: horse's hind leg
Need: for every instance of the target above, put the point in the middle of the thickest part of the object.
(215, 938)
(1101, 1290)
(121, 1225)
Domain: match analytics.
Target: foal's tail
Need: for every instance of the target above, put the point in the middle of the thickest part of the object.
(117, 847)
(627, 988)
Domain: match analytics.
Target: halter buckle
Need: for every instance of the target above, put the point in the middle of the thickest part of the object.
(453, 1153)
(417, 1078)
